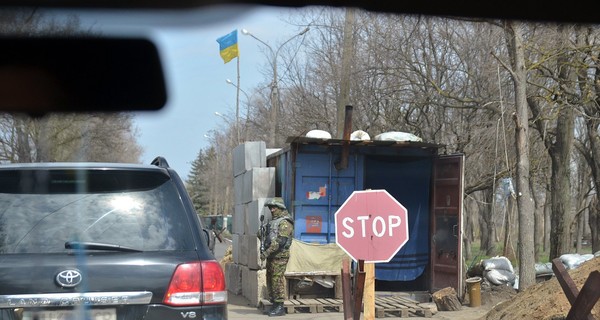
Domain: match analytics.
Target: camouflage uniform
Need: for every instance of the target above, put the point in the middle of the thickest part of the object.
(280, 233)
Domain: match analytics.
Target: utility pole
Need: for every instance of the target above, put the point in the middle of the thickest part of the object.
(347, 53)
(275, 83)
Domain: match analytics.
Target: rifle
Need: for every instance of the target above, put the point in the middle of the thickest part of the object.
(262, 234)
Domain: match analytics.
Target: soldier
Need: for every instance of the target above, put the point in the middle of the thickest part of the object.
(277, 242)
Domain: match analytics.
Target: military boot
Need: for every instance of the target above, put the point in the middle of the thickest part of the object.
(277, 310)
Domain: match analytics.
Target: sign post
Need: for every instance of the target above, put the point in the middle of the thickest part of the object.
(371, 226)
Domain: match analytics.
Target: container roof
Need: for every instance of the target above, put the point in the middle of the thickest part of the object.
(368, 143)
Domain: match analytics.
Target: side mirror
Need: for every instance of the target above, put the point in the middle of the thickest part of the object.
(209, 241)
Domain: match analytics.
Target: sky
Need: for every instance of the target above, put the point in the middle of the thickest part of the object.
(196, 74)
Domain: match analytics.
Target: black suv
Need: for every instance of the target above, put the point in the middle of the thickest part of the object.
(103, 241)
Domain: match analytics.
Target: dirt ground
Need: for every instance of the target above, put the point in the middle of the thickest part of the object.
(546, 300)
(491, 296)
(543, 301)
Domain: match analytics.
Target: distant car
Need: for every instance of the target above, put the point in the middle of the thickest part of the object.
(104, 241)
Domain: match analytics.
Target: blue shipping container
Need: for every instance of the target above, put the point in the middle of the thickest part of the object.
(310, 180)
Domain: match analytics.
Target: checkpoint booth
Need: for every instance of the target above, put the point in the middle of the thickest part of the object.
(315, 176)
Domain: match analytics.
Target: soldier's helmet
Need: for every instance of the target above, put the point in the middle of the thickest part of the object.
(276, 202)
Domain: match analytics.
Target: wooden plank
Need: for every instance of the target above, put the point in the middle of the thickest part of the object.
(264, 305)
(327, 304)
(386, 305)
(403, 305)
(586, 299)
(369, 292)
(301, 305)
(379, 312)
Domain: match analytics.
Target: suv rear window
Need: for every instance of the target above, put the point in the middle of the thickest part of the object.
(41, 210)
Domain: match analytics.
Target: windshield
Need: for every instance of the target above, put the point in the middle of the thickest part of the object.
(143, 220)
(517, 101)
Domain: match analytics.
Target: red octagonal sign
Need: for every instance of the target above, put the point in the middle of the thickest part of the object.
(371, 225)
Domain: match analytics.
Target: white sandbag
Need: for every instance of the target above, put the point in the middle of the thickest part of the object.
(397, 136)
(360, 136)
(543, 269)
(597, 254)
(574, 260)
(320, 134)
(499, 277)
(500, 263)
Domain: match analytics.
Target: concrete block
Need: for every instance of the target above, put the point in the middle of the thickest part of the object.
(259, 183)
(239, 194)
(238, 224)
(250, 154)
(243, 250)
(254, 285)
(254, 210)
(253, 253)
(236, 240)
(233, 278)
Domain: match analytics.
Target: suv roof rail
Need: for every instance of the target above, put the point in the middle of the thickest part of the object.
(160, 162)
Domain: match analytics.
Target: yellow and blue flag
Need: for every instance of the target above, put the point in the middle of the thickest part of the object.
(228, 46)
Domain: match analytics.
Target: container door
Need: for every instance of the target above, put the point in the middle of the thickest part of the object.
(320, 190)
(446, 223)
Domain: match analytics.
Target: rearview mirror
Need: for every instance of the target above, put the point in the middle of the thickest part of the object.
(80, 74)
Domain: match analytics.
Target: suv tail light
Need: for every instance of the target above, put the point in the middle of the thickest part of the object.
(197, 283)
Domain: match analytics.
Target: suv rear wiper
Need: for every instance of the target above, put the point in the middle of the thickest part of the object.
(84, 245)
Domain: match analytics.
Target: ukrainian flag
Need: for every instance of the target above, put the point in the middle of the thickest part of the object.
(228, 46)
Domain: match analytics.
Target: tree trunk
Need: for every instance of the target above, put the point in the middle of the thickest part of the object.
(524, 199)
(594, 223)
(538, 225)
(579, 233)
(509, 249)
(560, 155)
(467, 236)
(486, 224)
(547, 221)
(23, 147)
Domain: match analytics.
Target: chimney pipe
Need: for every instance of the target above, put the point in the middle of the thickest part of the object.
(343, 163)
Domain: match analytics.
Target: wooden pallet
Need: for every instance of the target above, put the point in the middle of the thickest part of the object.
(318, 305)
(399, 307)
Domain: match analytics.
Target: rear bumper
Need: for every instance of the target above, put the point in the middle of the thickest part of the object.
(149, 312)
(208, 312)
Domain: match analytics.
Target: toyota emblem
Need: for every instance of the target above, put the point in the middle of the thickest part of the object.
(69, 278)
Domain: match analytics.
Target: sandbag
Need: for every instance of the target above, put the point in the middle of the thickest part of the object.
(498, 263)
(319, 134)
(574, 260)
(499, 276)
(397, 136)
(543, 269)
(360, 135)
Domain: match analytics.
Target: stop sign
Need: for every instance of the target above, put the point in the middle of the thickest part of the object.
(371, 225)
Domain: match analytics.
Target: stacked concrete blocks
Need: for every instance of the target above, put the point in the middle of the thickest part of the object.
(254, 183)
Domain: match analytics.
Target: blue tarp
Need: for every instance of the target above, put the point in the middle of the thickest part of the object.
(411, 188)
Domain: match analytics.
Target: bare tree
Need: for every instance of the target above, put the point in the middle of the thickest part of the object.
(62, 137)
(514, 34)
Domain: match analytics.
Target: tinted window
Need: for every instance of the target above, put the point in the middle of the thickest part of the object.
(147, 218)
